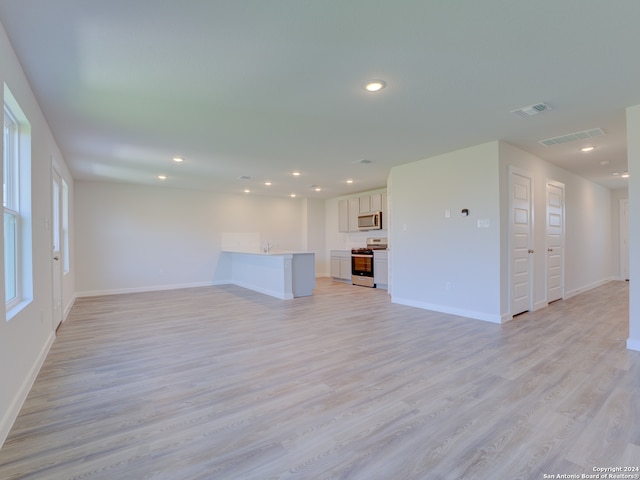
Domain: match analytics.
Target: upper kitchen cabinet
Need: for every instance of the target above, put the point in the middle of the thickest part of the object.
(354, 211)
(365, 203)
(350, 208)
(376, 202)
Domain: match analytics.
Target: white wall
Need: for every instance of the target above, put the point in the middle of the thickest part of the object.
(25, 339)
(633, 152)
(135, 238)
(453, 266)
(448, 264)
(313, 220)
(589, 231)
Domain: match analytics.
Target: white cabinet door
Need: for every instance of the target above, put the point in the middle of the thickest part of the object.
(345, 268)
(335, 267)
(376, 202)
(365, 204)
(380, 269)
(343, 216)
(354, 210)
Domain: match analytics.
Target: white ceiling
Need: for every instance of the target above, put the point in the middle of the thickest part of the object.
(261, 88)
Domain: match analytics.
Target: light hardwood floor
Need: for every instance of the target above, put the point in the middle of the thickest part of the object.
(225, 383)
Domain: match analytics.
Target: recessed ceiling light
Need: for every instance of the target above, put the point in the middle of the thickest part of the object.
(178, 159)
(162, 177)
(246, 190)
(293, 195)
(374, 86)
(587, 149)
(349, 181)
(625, 175)
(318, 189)
(268, 184)
(296, 174)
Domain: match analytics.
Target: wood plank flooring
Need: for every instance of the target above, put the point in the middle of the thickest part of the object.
(226, 383)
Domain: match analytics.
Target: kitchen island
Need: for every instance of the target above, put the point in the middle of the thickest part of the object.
(281, 274)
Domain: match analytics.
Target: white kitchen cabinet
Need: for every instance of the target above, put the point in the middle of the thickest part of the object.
(381, 269)
(348, 211)
(375, 202)
(341, 265)
(365, 204)
(350, 208)
(354, 211)
(343, 216)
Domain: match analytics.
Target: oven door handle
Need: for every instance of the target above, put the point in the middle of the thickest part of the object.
(361, 256)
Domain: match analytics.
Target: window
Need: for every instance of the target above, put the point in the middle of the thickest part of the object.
(65, 226)
(11, 208)
(16, 168)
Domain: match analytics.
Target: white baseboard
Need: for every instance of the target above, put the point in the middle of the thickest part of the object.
(67, 309)
(487, 317)
(586, 288)
(117, 291)
(539, 305)
(633, 344)
(265, 291)
(12, 413)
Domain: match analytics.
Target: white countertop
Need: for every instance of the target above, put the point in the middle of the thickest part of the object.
(271, 253)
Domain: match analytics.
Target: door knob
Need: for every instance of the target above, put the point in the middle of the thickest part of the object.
(56, 258)
(530, 251)
(549, 249)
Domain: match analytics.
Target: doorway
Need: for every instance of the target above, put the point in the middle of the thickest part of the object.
(56, 254)
(624, 239)
(555, 241)
(520, 240)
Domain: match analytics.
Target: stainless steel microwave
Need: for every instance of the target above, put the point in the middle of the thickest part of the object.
(370, 221)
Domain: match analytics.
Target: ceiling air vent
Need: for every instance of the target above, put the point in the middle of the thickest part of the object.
(364, 161)
(572, 137)
(531, 110)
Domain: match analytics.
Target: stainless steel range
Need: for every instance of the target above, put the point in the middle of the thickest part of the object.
(362, 262)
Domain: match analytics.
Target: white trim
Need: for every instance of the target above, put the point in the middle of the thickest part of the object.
(562, 186)
(272, 293)
(623, 229)
(12, 413)
(633, 344)
(540, 304)
(512, 169)
(487, 317)
(68, 307)
(97, 293)
(586, 288)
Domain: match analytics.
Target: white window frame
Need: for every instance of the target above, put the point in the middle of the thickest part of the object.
(65, 227)
(11, 201)
(17, 203)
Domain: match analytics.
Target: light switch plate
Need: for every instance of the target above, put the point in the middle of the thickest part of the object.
(483, 223)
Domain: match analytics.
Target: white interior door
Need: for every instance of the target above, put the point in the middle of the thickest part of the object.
(56, 254)
(521, 250)
(624, 239)
(555, 241)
